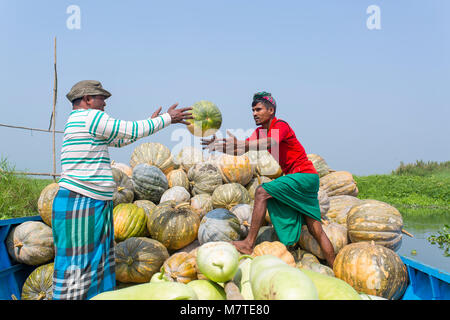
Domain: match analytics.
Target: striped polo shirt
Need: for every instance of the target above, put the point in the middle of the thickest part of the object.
(85, 162)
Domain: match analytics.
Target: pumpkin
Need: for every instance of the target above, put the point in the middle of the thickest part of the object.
(147, 205)
(244, 213)
(154, 154)
(149, 182)
(207, 119)
(275, 248)
(340, 206)
(31, 243)
(372, 269)
(204, 178)
(129, 221)
(188, 156)
(202, 204)
(178, 177)
(266, 233)
(339, 183)
(180, 267)
(230, 194)
(45, 202)
(39, 284)
(124, 192)
(219, 225)
(123, 167)
(377, 221)
(310, 262)
(324, 202)
(173, 224)
(138, 259)
(264, 164)
(177, 194)
(235, 169)
(336, 232)
(319, 163)
(254, 183)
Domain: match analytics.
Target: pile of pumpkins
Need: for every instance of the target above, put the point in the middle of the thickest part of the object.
(166, 207)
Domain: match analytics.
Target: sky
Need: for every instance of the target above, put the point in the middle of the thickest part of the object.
(363, 98)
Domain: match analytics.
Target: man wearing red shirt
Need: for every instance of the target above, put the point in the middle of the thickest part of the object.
(291, 199)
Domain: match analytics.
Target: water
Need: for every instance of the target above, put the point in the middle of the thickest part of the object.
(423, 223)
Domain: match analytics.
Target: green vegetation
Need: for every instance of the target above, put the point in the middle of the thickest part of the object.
(415, 189)
(442, 238)
(18, 194)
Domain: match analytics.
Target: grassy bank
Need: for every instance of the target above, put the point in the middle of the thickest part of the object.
(18, 194)
(416, 189)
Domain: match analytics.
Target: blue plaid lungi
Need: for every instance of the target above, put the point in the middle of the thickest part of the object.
(83, 234)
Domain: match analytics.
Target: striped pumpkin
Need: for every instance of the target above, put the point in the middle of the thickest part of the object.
(207, 119)
(124, 192)
(149, 182)
(372, 269)
(229, 195)
(319, 163)
(235, 169)
(340, 206)
(377, 221)
(339, 183)
(264, 164)
(39, 284)
(129, 221)
(204, 177)
(173, 224)
(178, 177)
(138, 259)
(219, 225)
(181, 267)
(154, 154)
(202, 204)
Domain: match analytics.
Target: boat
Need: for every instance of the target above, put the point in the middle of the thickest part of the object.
(425, 282)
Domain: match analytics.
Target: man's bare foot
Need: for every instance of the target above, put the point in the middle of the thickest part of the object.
(243, 246)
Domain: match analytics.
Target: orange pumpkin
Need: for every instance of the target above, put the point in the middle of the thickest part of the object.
(235, 169)
(45, 202)
(276, 249)
(336, 232)
(372, 269)
(339, 183)
(181, 267)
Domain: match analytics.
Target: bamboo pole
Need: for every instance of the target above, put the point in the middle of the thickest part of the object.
(55, 91)
(36, 173)
(31, 129)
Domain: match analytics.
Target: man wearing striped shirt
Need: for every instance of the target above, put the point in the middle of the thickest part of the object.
(82, 210)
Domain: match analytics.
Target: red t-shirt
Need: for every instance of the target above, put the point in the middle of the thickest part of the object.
(290, 154)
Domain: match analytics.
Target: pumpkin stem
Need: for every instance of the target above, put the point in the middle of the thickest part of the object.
(129, 261)
(120, 189)
(246, 224)
(113, 162)
(407, 233)
(182, 204)
(41, 296)
(18, 244)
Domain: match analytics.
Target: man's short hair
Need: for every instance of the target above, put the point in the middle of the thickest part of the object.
(266, 103)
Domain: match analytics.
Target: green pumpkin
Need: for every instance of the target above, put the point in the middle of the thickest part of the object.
(138, 259)
(124, 192)
(219, 225)
(229, 195)
(207, 119)
(173, 224)
(129, 221)
(149, 182)
(204, 178)
(39, 284)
